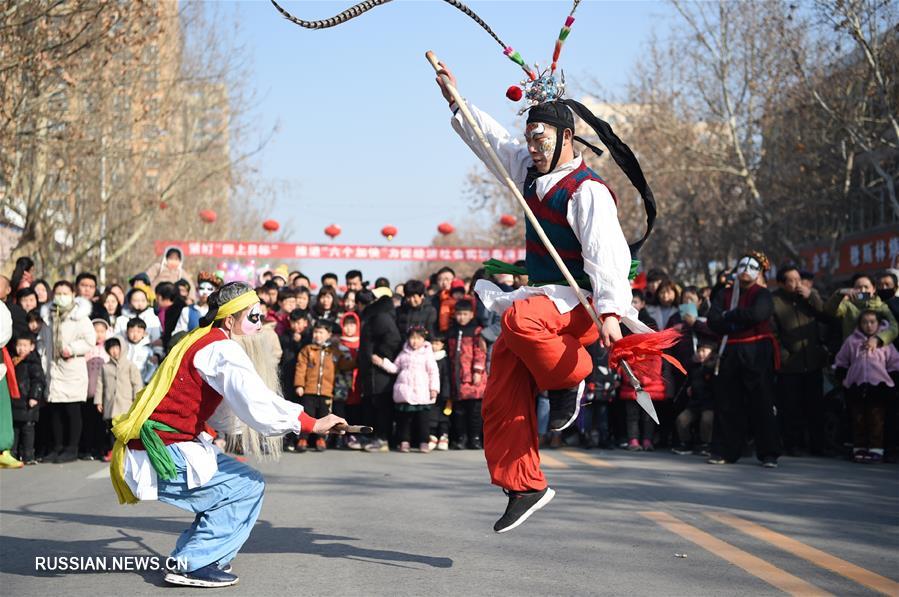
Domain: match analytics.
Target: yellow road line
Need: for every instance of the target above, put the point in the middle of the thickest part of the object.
(551, 462)
(817, 557)
(754, 565)
(587, 459)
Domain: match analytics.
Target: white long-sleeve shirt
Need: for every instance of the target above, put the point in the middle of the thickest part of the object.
(592, 215)
(228, 370)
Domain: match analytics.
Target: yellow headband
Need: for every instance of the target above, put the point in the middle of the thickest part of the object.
(237, 304)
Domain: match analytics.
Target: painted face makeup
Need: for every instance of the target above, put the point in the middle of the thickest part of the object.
(542, 140)
(748, 265)
(205, 289)
(252, 323)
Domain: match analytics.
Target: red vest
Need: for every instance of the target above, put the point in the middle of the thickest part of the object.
(190, 401)
(747, 298)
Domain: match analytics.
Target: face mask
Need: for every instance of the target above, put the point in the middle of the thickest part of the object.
(62, 300)
(205, 289)
(748, 265)
(886, 294)
(252, 323)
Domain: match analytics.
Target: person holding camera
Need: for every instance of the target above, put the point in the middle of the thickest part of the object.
(847, 304)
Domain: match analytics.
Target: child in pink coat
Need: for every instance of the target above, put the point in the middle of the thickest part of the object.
(868, 384)
(416, 388)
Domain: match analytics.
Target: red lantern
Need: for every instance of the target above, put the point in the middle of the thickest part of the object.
(208, 216)
(508, 220)
(389, 232)
(163, 205)
(446, 228)
(333, 230)
(271, 225)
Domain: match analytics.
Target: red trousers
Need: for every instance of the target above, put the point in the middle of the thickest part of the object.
(539, 349)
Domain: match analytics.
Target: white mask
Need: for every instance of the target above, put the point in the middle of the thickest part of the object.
(205, 289)
(748, 265)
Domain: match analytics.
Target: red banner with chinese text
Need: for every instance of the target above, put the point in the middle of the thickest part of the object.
(866, 252)
(264, 250)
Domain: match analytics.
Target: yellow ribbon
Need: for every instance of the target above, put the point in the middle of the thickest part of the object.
(127, 427)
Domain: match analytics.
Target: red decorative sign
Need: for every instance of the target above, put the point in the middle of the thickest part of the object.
(247, 250)
(867, 252)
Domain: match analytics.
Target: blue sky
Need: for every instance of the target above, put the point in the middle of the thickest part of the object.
(364, 137)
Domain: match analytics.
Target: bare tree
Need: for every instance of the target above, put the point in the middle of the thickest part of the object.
(139, 109)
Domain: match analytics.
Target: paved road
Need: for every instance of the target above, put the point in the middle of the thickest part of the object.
(411, 524)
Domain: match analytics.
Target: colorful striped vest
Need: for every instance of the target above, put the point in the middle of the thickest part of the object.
(552, 214)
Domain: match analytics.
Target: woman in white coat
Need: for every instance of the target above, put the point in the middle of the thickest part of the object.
(71, 336)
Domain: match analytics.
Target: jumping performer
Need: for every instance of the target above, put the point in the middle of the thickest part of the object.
(546, 326)
(163, 451)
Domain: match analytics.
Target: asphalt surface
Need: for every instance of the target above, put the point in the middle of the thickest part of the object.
(344, 523)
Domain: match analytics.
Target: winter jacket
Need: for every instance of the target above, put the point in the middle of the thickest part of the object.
(702, 378)
(662, 315)
(416, 373)
(96, 358)
(74, 331)
(32, 386)
(154, 327)
(281, 319)
(379, 336)
(848, 310)
(445, 305)
(424, 316)
(159, 272)
(287, 368)
(140, 354)
(317, 365)
(467, 352)
(118, 386)
(796, 326)
(863, 367)
(443, 366)
(346, 386)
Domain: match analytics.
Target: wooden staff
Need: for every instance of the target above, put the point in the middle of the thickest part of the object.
(642, 397)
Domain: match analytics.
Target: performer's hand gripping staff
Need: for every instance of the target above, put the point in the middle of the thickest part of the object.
(610, 333)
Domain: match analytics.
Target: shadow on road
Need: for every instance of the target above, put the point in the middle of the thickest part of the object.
(17, 554)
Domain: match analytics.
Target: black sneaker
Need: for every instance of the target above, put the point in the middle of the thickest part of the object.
(520, 508)
(564, 406)
(769, 462)
(715, 459)
(207, 576)
(681, 450)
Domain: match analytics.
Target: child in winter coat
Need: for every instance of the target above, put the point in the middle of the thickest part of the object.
(137, 349)
(317, 365)
(869, 385)
(416, 387)
(117, 388)
(347, 398)
(468, 361)
(32, 387)
(700, 404)
(440, 422)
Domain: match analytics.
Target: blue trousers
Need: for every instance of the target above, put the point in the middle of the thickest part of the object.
(226, 509)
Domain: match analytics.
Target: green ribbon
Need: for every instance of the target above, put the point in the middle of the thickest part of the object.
(635, 265)
(159, 456)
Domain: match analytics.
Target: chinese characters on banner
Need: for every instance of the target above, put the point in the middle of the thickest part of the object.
(235, 249)
(864, 253)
